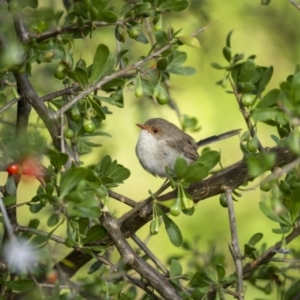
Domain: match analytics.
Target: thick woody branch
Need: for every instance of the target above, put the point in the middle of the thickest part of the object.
(155, 279)
(28, 93)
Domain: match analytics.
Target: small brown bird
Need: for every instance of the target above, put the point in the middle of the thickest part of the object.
(161, 142)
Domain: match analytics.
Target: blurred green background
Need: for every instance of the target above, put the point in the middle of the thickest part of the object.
(272, 33)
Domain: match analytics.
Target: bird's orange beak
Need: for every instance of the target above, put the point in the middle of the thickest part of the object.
(142, 126)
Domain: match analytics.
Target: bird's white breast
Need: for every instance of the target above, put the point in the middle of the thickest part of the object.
(148, 150)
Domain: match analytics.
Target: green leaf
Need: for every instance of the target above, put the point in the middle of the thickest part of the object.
(108, 169)
(259, 163)
(217, 66)
(247, 70)
(113, 84)
(57, 159)
(265, 3)
(96, 232)
(161, 38)
(266, 77)
(82, 76)
(142, 38)
(10, 186)
(53, 220)
(142, 7)
(295, 206)
(255, 239)
(99, 4)
(173, 230)
(94, 267)
(180, 167)
(248, 250)
(178, 58)
(99, 62)
(175, 270)
(283, 230)
(107, 16)
(293, 291)
(280, 215)
(269, 113)
(35, 208)
(70, 179)
(209, 159)
(189, 41)
(175, 5)
(228, 38)
(34, 223)
(20, 285)
(270, 99)
(10, 199)
(196, 172)
(220, 272)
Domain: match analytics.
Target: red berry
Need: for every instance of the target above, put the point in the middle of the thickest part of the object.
(52, 277)
(13, 169)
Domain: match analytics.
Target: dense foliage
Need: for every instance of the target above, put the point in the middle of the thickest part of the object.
(46, 137)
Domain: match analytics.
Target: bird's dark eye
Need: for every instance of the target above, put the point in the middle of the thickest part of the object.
(155, 130)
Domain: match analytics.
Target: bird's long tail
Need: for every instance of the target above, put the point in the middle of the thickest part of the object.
(216, 138)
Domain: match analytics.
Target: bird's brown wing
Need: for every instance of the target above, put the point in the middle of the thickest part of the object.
(186, 147)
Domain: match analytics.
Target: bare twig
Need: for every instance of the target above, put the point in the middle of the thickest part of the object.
(142, 286)
(52, 237)
(74, 27)
(122, 198)
(245, 114)
(67, 91)
(203, 28)
(297, 5)
(149, 253)
(235, 244)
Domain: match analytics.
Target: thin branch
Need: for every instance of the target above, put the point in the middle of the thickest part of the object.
(204, 28)
(9, 104)
(38, 286)
(74, 27)
(235, 244)
(8, 227)
(18, 205)
(67, 91)
(64, 92)
(147, 251)
(52, 237)
(245, 114)
(122, 198)
(142, 286)
(297, 5)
